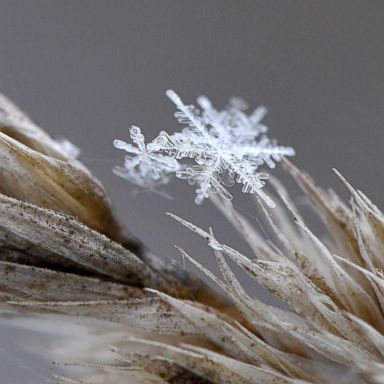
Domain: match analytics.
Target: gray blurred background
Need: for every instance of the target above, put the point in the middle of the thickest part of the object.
(87, 70)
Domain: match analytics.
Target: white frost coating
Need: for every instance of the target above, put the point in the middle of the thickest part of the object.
(67, 148)
(224, 147)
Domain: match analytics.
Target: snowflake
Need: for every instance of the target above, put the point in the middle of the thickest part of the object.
(142, 167)
(223, 148)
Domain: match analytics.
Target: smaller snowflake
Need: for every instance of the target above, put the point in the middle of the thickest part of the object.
(223, 148)
(142, 167)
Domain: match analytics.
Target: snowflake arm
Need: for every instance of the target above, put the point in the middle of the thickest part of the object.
(187, 114)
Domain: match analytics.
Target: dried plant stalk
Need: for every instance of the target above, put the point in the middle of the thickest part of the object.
(165, 325)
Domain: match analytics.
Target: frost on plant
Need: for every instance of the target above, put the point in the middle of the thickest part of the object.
(214, 150)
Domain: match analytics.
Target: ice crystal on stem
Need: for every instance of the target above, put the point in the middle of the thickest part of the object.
(226, 147)
(66, 267)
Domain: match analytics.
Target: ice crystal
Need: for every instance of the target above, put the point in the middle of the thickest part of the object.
(223, 148)
(67, 148)
(143, 167)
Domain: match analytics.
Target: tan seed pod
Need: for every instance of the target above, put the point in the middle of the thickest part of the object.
(37, 169)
